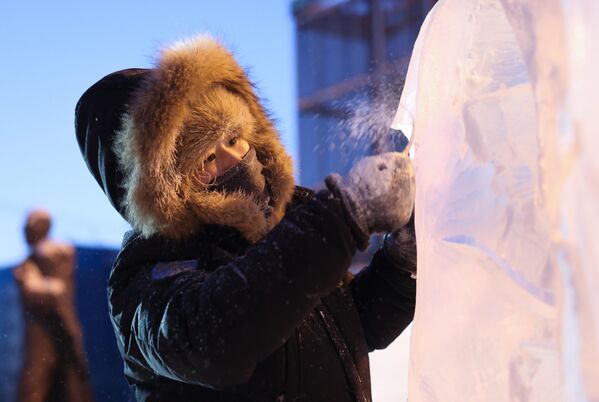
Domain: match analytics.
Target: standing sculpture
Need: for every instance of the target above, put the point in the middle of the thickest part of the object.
(54, 367)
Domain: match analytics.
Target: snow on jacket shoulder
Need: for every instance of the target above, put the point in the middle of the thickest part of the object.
(215, 318)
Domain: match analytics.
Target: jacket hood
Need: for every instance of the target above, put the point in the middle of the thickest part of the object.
(131, 128)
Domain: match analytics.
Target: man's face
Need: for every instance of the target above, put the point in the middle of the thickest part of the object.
(223, 155)
(215, 137)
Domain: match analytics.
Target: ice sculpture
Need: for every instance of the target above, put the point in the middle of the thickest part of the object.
(502, 96)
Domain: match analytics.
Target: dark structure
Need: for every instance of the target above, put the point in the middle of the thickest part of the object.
(349, 53)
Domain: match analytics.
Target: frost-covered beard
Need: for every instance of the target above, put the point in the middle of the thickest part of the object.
(247, 177)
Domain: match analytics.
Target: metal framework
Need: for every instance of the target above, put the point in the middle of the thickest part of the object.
(314, 14)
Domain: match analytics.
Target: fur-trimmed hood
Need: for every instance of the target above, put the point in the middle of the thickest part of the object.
(165, 117)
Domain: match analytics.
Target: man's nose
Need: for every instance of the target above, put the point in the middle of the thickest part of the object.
(226, 157)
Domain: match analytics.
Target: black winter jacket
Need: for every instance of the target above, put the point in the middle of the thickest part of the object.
(213, 318)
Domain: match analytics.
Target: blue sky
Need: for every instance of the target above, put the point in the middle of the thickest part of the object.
(53, 51)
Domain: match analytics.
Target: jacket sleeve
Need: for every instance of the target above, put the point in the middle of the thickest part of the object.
(385, 296)
(212, 329)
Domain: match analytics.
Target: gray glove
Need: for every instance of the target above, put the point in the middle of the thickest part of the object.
(378, 192)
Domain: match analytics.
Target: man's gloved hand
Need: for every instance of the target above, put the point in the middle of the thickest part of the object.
(400, 247)
(378, 192)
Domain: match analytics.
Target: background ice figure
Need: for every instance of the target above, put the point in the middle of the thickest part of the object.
(501, 92)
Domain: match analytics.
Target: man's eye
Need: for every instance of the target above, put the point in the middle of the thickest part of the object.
(210, 158)
(233, 141)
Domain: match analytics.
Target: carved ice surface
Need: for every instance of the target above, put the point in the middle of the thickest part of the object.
(502, 98)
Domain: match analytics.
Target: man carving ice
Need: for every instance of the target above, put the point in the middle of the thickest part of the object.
(230, 287)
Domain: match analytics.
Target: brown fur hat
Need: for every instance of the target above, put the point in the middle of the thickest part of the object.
(194, 94)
